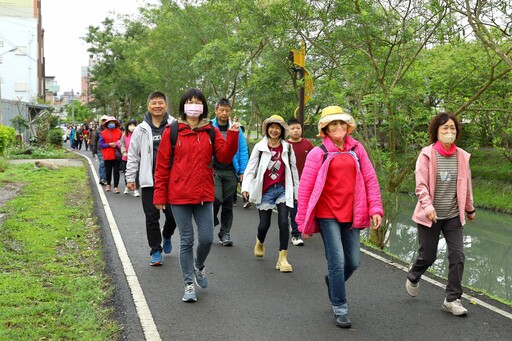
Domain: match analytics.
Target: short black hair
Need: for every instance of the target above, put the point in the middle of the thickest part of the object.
(438, 121)
(191, 93)
(223, 102)
(156, 94)
(293, 121)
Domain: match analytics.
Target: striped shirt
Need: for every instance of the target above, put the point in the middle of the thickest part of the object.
(445, 198)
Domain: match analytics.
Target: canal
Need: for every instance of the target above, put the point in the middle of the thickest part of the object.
(488, 249)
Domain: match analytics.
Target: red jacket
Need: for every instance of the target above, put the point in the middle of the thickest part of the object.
(108, 136)
(190, 180)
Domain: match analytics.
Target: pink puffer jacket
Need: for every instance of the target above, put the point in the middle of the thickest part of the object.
(367, 199)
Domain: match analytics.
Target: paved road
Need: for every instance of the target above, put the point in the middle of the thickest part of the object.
(248, 299)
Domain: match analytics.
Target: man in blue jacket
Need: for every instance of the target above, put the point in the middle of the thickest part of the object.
(226, 176)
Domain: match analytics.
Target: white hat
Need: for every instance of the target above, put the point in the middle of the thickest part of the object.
(275, 119)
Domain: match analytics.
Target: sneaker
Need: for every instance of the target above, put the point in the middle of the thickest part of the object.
(167, 246)
(103, 182)
(454, 307)
(156, 259)
(297, 241)
(342, 321)
(225, 240)
(412, 288)
(136, 193)
(200, 277)
(247, 204)
(190, 293)
(126, 190)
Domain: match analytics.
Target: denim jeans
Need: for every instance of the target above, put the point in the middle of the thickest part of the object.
(203, 217)
(101, 168)
(341, 243)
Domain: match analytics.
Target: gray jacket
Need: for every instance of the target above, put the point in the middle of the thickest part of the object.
(140, 155)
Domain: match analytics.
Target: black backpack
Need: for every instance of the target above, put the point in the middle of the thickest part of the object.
(173, 132)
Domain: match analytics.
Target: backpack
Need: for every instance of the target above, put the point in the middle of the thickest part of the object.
(173, 133)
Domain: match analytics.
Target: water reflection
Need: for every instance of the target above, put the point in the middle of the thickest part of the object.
(487, 243)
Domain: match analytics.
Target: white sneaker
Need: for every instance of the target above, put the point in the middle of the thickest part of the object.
(297, 241)
(454, 307)
(136, 193)
(126, 190)
(412, 288)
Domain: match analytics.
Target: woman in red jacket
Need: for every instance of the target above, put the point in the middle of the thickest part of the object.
(109, 141)
(184, 179)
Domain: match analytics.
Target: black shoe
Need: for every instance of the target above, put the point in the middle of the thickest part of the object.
(225, 240)
(328, 289)
(342, 321)
(103, 182)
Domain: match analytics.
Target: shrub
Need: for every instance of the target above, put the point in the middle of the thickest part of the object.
(7, 137)
(55, 137)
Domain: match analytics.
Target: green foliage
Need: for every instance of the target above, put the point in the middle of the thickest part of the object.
(27, 151)
(52, 286)
(19, 123)
(55, 137)
(7, 138)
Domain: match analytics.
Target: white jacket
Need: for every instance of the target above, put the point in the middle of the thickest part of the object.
(140, 155)
(253, 176)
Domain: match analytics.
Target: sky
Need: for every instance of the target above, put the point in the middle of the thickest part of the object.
(64, 22)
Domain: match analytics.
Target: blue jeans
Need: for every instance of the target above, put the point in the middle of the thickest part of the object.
(341, 243)
(101, 169)
(203, 216)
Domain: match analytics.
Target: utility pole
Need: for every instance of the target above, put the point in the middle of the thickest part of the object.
(298, 57)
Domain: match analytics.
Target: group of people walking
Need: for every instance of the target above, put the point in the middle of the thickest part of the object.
(189, 169)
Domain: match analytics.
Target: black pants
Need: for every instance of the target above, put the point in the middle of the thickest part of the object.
(153, 220)
(112, 166)
(428, 238)
(282, 221)
(225, 187)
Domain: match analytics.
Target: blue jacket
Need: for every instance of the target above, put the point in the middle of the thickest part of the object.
(242, 154)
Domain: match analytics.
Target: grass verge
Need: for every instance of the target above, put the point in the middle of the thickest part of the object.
(52, 279)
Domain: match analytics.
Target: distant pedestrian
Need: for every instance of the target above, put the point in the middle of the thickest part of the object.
(125, 145)
(79, 137)
(72, 137)
(142, 152)
(271, 181)
(339, 195)
(227, 175)
(301, 148)
(184, 178)
(445, 197)
(97, 150)
(85, 134)
(110, 140)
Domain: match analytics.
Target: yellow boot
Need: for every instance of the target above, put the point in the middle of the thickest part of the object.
(282, 262)
(259, 249)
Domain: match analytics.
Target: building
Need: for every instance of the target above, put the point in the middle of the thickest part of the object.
(21, 60)
(86, 83)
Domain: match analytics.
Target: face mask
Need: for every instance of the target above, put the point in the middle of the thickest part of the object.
(111, 125)
(131, 128)
(193, 110)
(448, 138)
(337, 133)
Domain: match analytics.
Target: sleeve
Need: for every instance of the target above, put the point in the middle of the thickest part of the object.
(243, 152)
(423, 183)
(470, 207)
(225, 150)
(306, 185)
(162, 169)
(102, 143)
(251, 169)
(295, 172)
(133, 156)
(123, 144)
(371, 183)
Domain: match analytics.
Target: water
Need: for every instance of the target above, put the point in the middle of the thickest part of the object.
(487, 245)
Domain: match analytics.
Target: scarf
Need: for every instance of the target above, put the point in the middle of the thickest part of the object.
(440, 149)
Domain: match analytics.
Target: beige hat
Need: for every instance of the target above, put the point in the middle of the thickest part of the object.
(335, 113)
(112, 119)
(103, 117)
(275, 119)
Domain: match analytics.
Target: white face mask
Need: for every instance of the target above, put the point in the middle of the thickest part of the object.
(131, 128)
(193, 110)
(447, 138)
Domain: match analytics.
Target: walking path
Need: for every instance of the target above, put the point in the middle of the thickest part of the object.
(248, 299)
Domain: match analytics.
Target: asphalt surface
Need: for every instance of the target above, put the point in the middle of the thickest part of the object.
(248, 299)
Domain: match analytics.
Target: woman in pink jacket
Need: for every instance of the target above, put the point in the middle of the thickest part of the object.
(445, 196)
(339, 195)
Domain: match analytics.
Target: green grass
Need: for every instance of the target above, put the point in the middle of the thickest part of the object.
(52, 279)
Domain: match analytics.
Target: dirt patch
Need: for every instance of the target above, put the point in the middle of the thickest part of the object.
(8, 190)
(58, 162)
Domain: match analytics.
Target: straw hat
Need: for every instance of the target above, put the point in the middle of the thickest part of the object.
(275, 119)
(335, 113)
